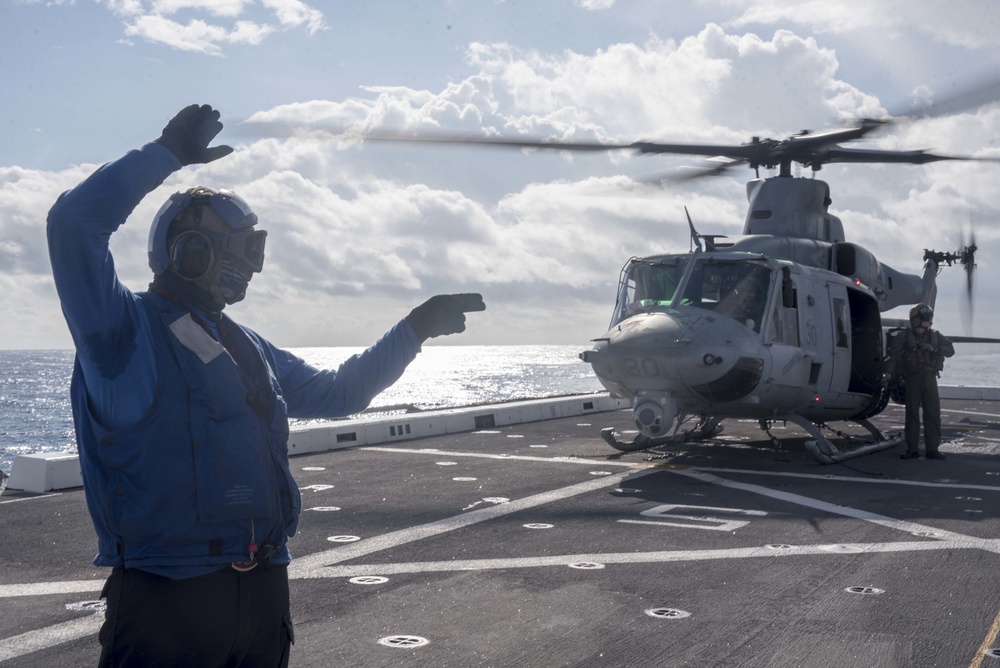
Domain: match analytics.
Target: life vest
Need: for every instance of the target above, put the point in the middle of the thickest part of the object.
(206, 468)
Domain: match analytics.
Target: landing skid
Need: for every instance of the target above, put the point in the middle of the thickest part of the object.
(827, 453)
(706, 428)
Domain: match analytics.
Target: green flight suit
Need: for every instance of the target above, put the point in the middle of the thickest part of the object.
(918, 358)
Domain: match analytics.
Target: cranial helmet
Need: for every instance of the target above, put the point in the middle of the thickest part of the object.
(203, 246)
(919, 313)
(181, 238)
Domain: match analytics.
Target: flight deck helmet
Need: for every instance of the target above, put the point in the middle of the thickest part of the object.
(184, 239)
(921, 313)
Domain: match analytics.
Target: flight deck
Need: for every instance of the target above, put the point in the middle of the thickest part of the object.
(536, 544)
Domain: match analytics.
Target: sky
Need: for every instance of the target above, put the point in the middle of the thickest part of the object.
(359, 232)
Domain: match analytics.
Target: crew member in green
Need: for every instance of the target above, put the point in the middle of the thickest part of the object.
(917, 356)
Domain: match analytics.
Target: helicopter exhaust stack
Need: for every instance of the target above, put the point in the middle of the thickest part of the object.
(654, 413)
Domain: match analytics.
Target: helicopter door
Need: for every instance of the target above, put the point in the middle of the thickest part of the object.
(840, 322)
(783, 321)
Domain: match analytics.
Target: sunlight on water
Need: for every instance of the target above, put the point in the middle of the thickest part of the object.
(34, 386)
(447, 376)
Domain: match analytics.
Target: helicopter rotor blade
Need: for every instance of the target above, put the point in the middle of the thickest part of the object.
(918, 157)
(968, 97)
(810, 149)
(685, 174)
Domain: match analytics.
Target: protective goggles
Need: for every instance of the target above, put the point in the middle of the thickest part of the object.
(193, 253)
(229, 206)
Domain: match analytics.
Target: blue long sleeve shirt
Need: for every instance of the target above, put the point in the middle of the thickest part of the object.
(113, 332)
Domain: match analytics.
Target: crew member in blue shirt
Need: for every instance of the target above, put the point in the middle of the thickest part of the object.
(182, 415)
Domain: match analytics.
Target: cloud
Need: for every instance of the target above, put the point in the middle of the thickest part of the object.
(966, 23)
(226, 21)
(359, 233)
(594, 4)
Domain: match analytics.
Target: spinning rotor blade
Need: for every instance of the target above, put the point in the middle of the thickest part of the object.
(969, 263)
(919, 157)
(810, 149)
(969, 97)
(683, 174)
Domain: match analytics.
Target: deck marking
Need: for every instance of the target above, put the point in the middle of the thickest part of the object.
(316, 565)
(954, 410)
(706, 522)
(840, 478)
(676, 556)
(990, 545)
(48, 588)
(33, 641)
(507, 458)
(988, 641)
(30, 498)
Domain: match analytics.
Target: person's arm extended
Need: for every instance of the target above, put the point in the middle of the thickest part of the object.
(103, 315)
(80, 224)
(315, 393)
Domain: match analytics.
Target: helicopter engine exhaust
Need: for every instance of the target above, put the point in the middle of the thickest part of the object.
(654, 413)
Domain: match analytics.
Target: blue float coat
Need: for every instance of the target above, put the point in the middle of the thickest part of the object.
(143, 363)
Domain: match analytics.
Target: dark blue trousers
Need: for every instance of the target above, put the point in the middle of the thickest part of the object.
(223, 619)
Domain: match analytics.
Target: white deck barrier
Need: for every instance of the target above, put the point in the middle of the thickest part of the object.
(966, 393)
(45, 471)
(48, 471)
(377, 430)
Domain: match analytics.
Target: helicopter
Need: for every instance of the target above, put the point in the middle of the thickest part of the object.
(780, 324)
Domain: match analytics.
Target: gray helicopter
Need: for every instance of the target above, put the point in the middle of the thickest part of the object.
(780, 324)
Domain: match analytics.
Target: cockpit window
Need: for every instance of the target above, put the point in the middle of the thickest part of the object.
(737, 290)
(648, 285)
(734, 288)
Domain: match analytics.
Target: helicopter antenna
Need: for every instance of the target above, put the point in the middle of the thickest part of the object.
(695, 237)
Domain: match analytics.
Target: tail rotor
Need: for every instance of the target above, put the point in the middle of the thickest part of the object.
(967, 256)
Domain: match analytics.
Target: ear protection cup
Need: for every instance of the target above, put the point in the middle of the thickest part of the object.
(192, 255)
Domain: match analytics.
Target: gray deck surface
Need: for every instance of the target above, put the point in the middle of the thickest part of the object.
(528, 545)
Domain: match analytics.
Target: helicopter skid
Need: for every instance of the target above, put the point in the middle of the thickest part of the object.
(643, 442)
(827, 453)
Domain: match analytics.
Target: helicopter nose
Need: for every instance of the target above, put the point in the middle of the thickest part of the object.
(686, 359)
(638, 353)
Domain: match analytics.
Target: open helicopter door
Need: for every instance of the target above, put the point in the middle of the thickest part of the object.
(866, 343)
(856, 341)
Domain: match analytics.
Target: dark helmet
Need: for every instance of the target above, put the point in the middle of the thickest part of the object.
(920, 313)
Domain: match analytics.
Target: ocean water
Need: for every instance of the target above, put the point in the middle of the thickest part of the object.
(34, 385)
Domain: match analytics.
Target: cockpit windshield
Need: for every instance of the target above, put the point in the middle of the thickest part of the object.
(649, 284)
(734, 288)
(737, 289)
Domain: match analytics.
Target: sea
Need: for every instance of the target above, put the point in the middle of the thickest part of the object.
(34, 384)
(35, 413)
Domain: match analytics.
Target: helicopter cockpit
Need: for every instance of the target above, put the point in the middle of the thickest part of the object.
(734, 287)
